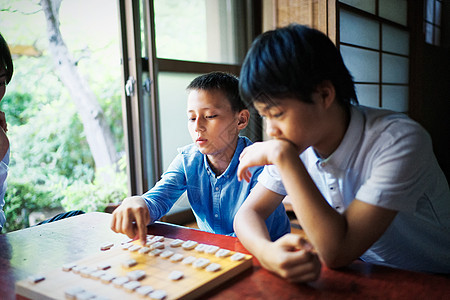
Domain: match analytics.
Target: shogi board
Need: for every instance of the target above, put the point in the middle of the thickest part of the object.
(195, 281)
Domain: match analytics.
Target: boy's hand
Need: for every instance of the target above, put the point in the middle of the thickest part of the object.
(261, 154)
(131, 218)
(292, 258)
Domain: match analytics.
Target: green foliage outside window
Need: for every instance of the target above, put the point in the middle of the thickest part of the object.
(51, 165)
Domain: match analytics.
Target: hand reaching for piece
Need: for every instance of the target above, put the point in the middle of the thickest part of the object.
(131, 218)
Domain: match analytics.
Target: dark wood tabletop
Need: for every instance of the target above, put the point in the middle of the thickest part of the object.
(47, 247)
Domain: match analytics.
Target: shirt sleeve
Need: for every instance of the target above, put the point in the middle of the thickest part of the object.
(400, 168)
(167, 190)
(270, 178)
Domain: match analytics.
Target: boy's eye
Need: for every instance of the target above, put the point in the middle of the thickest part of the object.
(277, 115)
(210, 117)
(191, 119)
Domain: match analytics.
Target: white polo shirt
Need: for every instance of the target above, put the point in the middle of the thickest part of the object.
(387, 160)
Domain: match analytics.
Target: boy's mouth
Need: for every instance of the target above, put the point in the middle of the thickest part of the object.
(201, 140)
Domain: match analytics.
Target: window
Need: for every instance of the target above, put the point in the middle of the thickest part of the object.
(432, 22)
(169, 43)
(374, 43)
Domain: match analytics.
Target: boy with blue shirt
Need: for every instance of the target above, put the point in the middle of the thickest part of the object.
(363, 182)
(205, 169)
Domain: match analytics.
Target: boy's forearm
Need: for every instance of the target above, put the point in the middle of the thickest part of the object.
(251, 231)
(328, 235)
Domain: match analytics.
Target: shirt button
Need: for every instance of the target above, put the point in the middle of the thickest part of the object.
(216, 215)
(217, 188)
(322, 164)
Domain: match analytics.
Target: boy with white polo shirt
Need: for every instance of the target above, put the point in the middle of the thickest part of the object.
(363, 182)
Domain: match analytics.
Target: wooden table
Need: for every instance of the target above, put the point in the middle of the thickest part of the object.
(46, 247)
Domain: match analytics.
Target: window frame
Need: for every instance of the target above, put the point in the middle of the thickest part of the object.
(144, 166)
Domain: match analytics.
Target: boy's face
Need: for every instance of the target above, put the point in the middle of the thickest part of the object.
(212, 124)
(293, 120)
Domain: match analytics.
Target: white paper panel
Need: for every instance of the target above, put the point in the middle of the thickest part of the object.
(395, 98)
(394, 10)
(395, 40)
(368, 94)
(363, 64)
(357, 30)
(395, 69)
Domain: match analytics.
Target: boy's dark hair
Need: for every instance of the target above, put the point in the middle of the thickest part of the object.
(291, 62)
(5, 59)
(220, 81)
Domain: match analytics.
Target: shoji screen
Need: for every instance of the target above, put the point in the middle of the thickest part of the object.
(374, 42)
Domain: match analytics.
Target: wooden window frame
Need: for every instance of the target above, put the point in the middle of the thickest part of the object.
(140, 178)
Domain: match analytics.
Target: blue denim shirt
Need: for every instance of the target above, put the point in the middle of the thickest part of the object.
(3, 174)
(214, 200)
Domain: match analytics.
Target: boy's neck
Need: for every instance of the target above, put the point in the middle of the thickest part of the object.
(220, 162)
(338, 125)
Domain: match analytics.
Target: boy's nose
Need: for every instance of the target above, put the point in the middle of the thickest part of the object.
(199, 125)
(272, 130)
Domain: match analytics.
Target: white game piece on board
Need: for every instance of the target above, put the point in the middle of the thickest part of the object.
(188, 245)
(86, 272)
(167, 254)
(223, 253)
(213, 267)
(148, 243)
(120, 281)
(35, 278)
(188, 260)
(77, 269)
(134, 248)
(158, 294)
(176, 257)
(176, 243)
(200, 263)
(68, 267)
(211, 249)
(126, 246)
(201, 248)
(136, 275)
(106, 246)
(85, 295)
(129, 263)
(99, 298)
(155, 252)
(158, 238)
(131, 285)
(103, 266)
(237, 256)
(126, 241)
(72, 292)
(157, 245)
(97, 274)
(176, 275)
(144, 250)
(107, 278)
(144, 290)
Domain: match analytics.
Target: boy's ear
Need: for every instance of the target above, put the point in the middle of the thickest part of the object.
(327, 92)
(243, 118)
